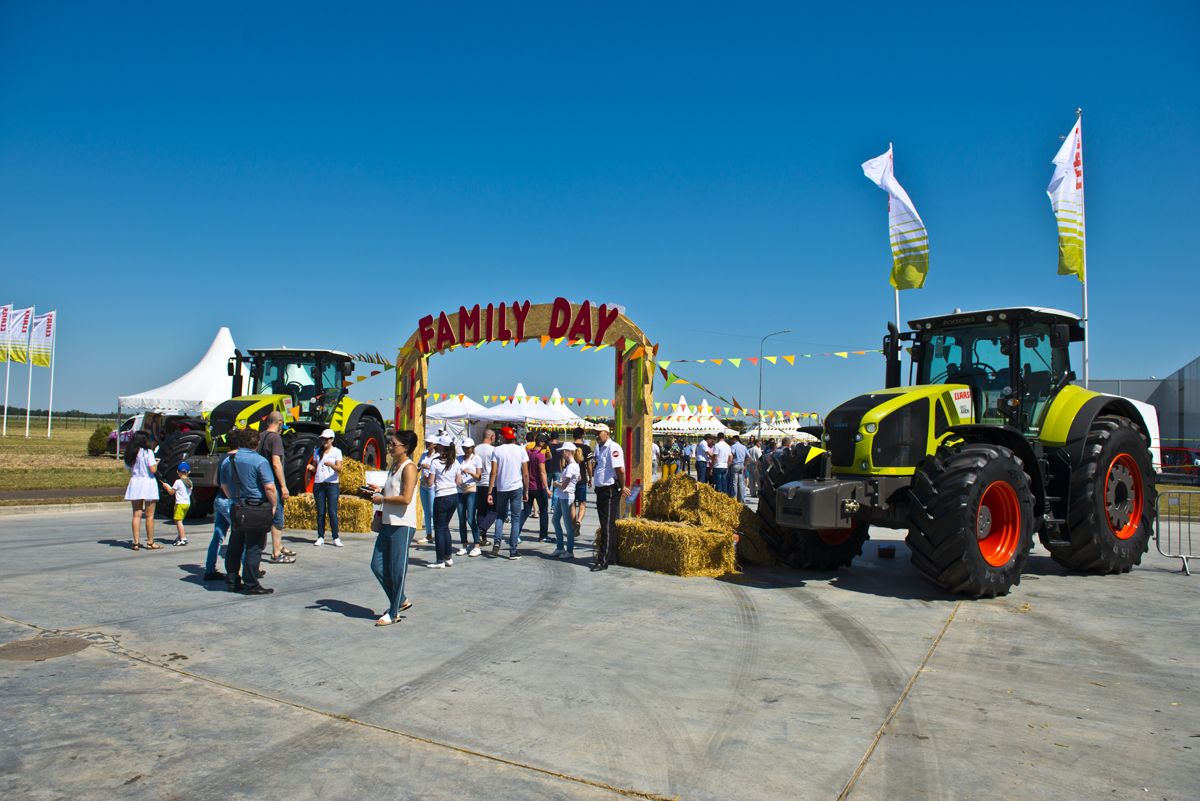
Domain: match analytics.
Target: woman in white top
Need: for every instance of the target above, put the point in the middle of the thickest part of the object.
(142, 491)
(564, 496)
(444, 477)
(471, 467)
(423, 464)
(326, 465)
(389, 562)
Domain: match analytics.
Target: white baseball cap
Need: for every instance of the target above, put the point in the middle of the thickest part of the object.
(445, 441)
(603, 427)
(327, 434)
(431, 439)
(567, 447)
(468, 443)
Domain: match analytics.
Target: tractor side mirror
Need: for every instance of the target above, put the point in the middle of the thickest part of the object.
(891, 352)
(232, 367)
(349, 368)
(1060, 335)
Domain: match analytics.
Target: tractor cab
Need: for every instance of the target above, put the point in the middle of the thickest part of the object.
(311, 382)
(1013, 360)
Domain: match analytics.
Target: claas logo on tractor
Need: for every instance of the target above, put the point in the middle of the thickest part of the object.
(989, 445)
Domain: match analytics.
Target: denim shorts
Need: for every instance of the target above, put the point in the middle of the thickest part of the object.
(278, 521)
(581, 493)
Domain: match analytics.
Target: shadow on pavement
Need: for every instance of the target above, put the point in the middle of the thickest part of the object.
(195, 575)
(343, 608)
(126, 544)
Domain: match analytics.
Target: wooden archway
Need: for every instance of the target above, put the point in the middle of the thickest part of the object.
(517, 322)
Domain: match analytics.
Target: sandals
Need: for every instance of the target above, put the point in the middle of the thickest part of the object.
(287, 552)
(282, 559)
(137, 546)
(153, 546)
(387, 620)
(403, 606)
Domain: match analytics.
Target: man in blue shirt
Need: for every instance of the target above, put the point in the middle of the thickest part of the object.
(255, 482)
(739, 468)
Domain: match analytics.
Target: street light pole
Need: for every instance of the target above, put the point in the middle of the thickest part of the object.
(760, 371)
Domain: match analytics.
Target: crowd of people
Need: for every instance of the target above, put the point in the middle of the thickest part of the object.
(486, 486)
(720, 459)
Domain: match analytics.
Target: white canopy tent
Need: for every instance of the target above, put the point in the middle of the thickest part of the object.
(687, 421)
(197, 391)
(564, 416)
(522, 408)
(460, 407)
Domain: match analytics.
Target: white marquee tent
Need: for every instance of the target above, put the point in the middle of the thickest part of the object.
(196, 391)
(522, 408)
(459, 407)
(687, 421)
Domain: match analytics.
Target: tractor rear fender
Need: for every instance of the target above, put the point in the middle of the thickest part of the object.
(1073, 411)
(1013, 440)
(356, 413)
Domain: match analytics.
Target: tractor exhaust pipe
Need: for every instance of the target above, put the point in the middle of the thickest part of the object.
(891, 352)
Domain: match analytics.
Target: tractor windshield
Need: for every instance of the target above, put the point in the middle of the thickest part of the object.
(310, 383)
(1043, 369)
(972, 355)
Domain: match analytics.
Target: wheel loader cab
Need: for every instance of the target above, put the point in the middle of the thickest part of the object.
(1014, 360)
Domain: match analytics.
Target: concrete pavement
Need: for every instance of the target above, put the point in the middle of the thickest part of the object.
(538, 679)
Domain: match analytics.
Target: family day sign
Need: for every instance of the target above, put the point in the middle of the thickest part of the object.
(518, 321)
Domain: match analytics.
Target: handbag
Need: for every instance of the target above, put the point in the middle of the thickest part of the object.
(252, 516)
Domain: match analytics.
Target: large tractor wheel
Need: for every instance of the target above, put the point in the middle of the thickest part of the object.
(297, 452)
(830, 548)
(971, 519)
(368, 442)
(1112, 501)
(181, 448)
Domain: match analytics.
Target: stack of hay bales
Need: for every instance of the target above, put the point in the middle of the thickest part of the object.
(690, 529)
(354, 513)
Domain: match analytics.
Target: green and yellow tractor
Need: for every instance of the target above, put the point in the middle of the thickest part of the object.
(308, 387)
(990, 443)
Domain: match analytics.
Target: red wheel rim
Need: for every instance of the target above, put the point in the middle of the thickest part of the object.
(371, 453)
(1123, 496)
(834, 536)
(998, 523)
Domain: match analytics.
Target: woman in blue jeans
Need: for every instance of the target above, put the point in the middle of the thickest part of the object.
(389, 561)
(326, 466)
(471, 467)
(445, 475)
(424, 465)
(564, 497)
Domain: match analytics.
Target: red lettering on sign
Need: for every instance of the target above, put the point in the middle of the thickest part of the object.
(560, 318)
(502, 332)
(468, 324)
(582, 327)
(603, 321)
(426, 328)
(520, 312)
(445, 334)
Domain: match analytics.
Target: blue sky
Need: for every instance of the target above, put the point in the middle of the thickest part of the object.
(325, 177)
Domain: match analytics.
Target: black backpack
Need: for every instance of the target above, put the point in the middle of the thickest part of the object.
(251, 516)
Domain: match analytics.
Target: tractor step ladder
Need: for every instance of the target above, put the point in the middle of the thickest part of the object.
(1177, 525)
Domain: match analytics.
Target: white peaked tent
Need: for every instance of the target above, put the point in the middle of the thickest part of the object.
(459, 407)
(523, 408)
(196, 391)
(564, 416)
(687, 421)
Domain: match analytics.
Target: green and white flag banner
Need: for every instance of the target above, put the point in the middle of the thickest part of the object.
(909, 239)
(1066, 198)
(41, 339)
(17, 335)
(6, 313)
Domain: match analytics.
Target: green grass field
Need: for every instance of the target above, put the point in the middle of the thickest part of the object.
(58, 462)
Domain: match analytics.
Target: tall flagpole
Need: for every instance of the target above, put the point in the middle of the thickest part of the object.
(7, 368)
(53, 342)
(1087, 323)
(29, 358)
(897, 291)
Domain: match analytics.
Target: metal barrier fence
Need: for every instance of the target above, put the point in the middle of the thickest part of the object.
(1175, 515)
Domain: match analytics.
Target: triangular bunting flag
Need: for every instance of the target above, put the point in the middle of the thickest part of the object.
(602, 346)
(736, 362)
(717, 361)
(752, 359)
(630, 345)
(843, 354)
(588, 401)
(504, 343)
(664, 365)
(585, 348)
(771, 359)
(860, 352)
(790, 360)
(545, 339)
(558, 341)
(637, 354)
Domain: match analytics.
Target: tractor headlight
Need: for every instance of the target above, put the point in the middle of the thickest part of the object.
(870, 428)
(858, 437)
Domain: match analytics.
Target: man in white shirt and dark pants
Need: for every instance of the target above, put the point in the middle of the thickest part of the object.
(722, 456)
(508, 490)
(609, 482)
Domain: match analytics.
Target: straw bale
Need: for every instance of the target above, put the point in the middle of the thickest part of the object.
(675, 548)
(354, 514)
(682, 499)
(752, 549)
(353, 476)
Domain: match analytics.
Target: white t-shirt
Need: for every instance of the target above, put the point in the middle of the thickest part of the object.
(484, 452)
(469, 463)
(445, 479)
(654, 450)
(506, 461)
(570, 474)
(688, 450)
(702, 451)
(423, 464)
(609, 457)
(723, 454)
(324, 460)
(183, 495)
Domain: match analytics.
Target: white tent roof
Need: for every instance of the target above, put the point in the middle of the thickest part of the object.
(196, 391)
(523, 408)
(563, 414)
(686, 420)
(460, 407)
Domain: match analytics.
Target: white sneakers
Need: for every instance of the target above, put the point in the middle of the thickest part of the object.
(461, 552)
(557, 553)
(474, 551)
(436, 565)
(449, 563)
(337, 543)
(318, 542)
